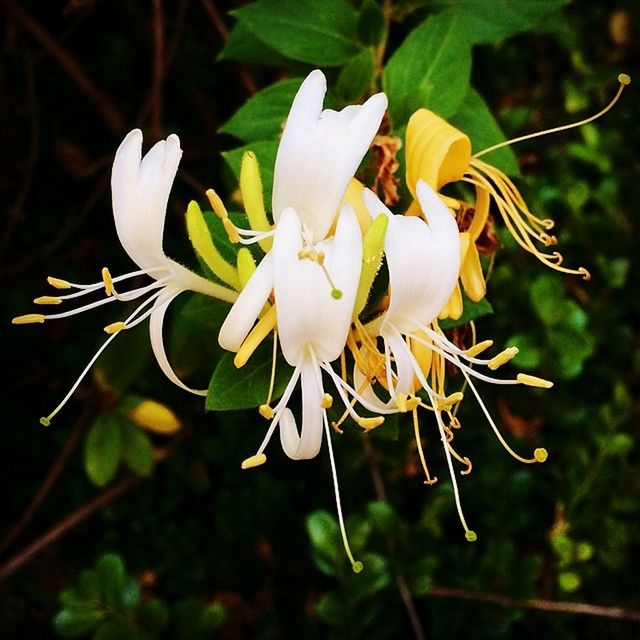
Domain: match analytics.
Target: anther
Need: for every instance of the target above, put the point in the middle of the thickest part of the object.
(108, 282)
(327, 401)
(534, 381)
(585, 274)
(413, 403)
(370, 423)
(503, 357)
(454, 398)
(114, 327)
(401, 402)
(29, 318)
(625, 79)
(477, 349)
(336, 427)
(47, 300)
(320, 258)
(254, 461)
(540, 454)
(58, 283)
(266, 411)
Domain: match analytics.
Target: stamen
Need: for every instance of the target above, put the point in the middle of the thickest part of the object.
(318, 258)
(534, 381)
(108, 282)
(262, 329)
(327, 401)
(254, 461)
(114, 327)
(356, 565)
(423, 460)
(266, 411)
(623, 79)
(370, 423)
(452, 399)
(47, 300)
(477, 349)
(221, 211)
(58, 283)
(508, 354)
(29, 318)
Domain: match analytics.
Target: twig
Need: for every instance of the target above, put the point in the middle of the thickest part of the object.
(223, 32)
(100, 99)
(157, 70)
(45, 488)
(401, 582)
(537, 604)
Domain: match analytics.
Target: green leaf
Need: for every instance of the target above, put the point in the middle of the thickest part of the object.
(262, 116)
(265, 151)
(430, 69)
(476, 120)
(137, 450)
(102, 450)
(76, 623)
(332, 609)
(312, 31)
(244, 46)
(111, 577)
(491, 21)
(372, 26)
(471, 311)
(154, 615)
(247, 387)
(356, 77)
(115, 630)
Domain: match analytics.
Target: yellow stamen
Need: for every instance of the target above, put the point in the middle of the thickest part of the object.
(47, 300)
(454, 398)
(262, 329)
(253, 197)
(221, 211)
(534, 381)
(272, 379)
(114, 327)
(108, 281)
(401, 402)
(254, 461)
(231, 230)
(416, 430)
(370, 423)
(156, 417)
(477, 349)
(58, 283)
(266, 411)
(29, 318)
(503, 357)
(318, 258)
(327, 401)
(541, 454)
(623, 79)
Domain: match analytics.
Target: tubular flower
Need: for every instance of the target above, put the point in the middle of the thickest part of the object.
(423, 261)
(140, 191)
(440, 154)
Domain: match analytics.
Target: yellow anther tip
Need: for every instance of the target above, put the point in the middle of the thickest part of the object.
(540, 454)
(266, 411)
(370, 423)
(502, 358)
(478, 348)
(585, 274)
(29, 318)
(45, 422)
(327, 401)
(624, 78)
(471, 536)
(357, 566)
(114, 327)
(58, 283)
(534, 381)
(401, 402)
(254, 461)
(47, 300)
(108, 281)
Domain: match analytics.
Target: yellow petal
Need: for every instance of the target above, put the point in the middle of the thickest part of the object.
(372, 249)
(155, 417)
(253, 197)
(353, 196)
(471, 274)
(453, 308)
(246, 266)
(481, 213)
(436, 152)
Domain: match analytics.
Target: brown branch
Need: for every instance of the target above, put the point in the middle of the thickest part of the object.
(45, 488)
(95, 94)
(537, 604)
(157, 70)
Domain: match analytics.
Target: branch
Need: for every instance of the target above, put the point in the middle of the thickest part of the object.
(157, 70)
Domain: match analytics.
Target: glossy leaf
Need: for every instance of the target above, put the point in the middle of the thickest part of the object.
(102, 450)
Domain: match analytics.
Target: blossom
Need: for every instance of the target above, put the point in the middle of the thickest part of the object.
(140, 192)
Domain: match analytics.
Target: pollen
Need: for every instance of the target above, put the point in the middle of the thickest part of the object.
(534, 381)
(454, 398)
(114, 327)
(48, 300)
(29, 318)
(327, 401)
(477, 349)
(58, 283)
(540, 454)
(625, 79)
(254, 461)
(502, 358)
(370, 423)
(266, 411)
(108, 281)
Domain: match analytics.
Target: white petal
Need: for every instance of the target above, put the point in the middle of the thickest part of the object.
(156, 322)
(320, 152)
(306, 444)
(247, 307)
(140, 191)
(307, 314)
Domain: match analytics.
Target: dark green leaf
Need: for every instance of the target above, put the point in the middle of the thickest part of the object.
(265, 151)
(312, 31)
(111, 576)
(243, 45)
(102, 449)
(372, 26)
(471, 311)
(137, 450)
(154, 615)
(115, 630)
(263, 115)
(429, 69)
(76, 623)
(356, 77)
(213, 617)
(475, 119)
(332, 609)
(247, 387)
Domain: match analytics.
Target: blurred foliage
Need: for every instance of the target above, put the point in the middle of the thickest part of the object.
(217, 552)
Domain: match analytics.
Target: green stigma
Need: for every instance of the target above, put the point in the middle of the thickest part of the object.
(470, 536)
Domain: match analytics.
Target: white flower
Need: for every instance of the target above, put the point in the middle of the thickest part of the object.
(140, 191)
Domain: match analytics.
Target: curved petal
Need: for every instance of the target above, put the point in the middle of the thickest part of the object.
(140, 191)
(307, 313)
(247, 307)
(320, 152)
(156, 322)
(306, 444)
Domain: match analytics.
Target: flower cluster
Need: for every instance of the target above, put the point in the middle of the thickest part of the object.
(328, 241)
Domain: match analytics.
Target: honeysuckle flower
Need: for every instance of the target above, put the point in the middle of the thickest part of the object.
(423, 261)
(439, 154)
(140, 192)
